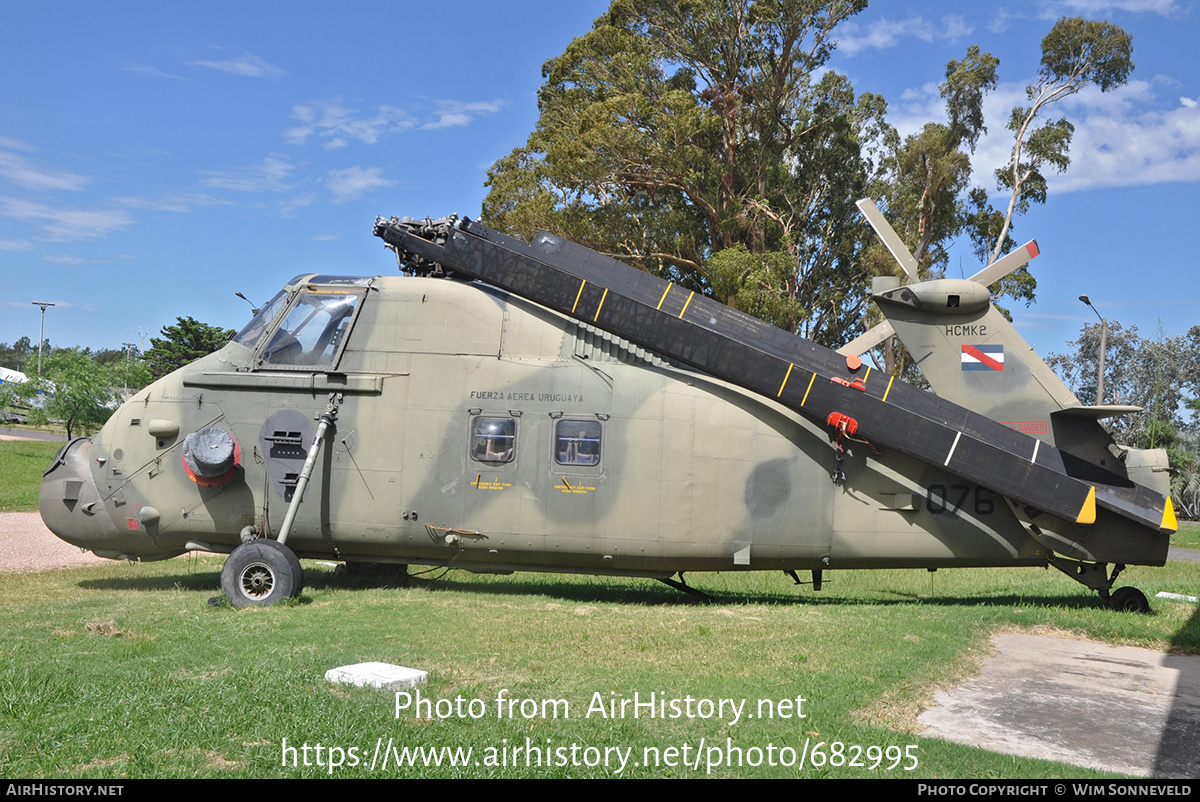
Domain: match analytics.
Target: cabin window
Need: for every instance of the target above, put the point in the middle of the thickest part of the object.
(313, 331)
(493, 439)
(577, 442)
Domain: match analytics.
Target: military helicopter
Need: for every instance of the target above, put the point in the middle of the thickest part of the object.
(508, 406)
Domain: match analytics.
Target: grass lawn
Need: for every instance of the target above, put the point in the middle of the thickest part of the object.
(125, 671)
(21, 465)
(1188, 536)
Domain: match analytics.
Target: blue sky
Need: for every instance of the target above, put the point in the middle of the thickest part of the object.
(157, 158)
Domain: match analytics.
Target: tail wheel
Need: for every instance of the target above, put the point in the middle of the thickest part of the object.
(1129, 600)
(261, 573)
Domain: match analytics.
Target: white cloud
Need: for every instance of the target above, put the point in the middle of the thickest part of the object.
(67, 224)
(955, 27)
(269, 176)
(150, 70)
(351, 183)
(455, 113)
(64, 259)
(1165, 8)
(1151, 147)
(1124, 137)
(335, 123)
(1188, 102)
(20, 171)
(15, 245)
(248, 65)
(289, 206)
(179, 202)
(885, 33)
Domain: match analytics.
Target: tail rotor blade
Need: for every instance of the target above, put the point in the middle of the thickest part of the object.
(867, 340)
(890, 239)
(1000, 268)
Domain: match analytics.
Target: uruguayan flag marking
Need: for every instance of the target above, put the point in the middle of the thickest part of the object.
(983, 357)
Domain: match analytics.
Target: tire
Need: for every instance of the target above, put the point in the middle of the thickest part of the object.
(257, 574)
(1129, 600)
(293, 560)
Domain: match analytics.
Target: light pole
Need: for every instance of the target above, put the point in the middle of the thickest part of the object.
(129, 365)
(41, 331)
(1103, 348)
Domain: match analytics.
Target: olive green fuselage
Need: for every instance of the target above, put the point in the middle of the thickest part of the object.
(479, 430)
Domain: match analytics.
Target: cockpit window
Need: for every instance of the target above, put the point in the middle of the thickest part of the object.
(254, 330)
(313, 331)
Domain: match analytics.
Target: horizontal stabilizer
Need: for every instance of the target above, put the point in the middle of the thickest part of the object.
(1100, 411)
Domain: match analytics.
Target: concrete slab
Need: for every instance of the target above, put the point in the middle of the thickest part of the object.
(378, 675)
(1116, 708)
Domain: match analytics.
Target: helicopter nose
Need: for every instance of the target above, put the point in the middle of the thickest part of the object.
(71, 506)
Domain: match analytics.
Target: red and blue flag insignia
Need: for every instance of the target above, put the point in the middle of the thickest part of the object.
(983, 357)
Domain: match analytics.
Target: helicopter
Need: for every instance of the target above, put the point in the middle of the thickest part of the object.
(506, 406)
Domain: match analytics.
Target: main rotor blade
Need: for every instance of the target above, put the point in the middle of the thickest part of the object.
(1007, 264)
(891, 240)
(867, 340)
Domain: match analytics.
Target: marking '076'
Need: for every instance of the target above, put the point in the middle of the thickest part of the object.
(940, 498)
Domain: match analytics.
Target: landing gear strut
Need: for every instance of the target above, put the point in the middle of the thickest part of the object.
(1095, 576)
(684, 587)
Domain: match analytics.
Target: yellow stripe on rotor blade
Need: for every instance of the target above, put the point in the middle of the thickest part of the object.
(785, 378)
(807, 391)
(1087, 513)
(889, 388)
(577, 296)
(660, 300)
(685, 305)
(601, 306)
(1169, 524)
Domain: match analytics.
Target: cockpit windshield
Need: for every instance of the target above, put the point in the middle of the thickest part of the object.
(254, 330)
(313, 330)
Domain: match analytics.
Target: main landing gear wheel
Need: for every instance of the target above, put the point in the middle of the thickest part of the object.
(1129, 600)
(261, 573)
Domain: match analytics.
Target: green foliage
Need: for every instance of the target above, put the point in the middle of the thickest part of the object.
(1156, 374)
(16, 356)
(759, 284)
(1075, 54)
(73, 389)
(1079, 51)
(932, 169)
(675, 130)
(182, 344)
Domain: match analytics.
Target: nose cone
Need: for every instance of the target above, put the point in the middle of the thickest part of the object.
(72, 508)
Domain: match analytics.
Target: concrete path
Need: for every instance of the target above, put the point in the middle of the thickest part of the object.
(26, 434)
(1115, 708)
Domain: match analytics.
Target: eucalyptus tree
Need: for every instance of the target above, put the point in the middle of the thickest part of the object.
(705, 141)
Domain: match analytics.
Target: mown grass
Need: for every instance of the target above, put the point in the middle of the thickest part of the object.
(21, 465)
(125, 671)
(1188, 536)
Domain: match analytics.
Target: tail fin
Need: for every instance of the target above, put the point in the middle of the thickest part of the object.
(972, 355)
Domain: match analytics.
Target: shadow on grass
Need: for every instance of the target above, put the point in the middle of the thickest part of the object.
(598, 590)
